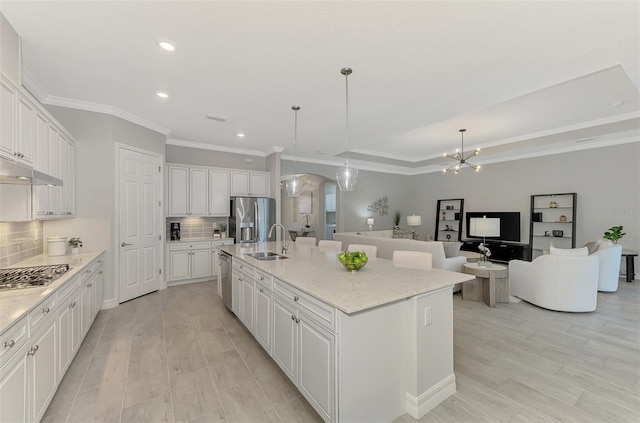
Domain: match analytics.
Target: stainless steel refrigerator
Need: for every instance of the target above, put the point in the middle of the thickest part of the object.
(251, 218)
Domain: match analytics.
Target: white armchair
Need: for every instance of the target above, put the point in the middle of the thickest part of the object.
(556, 282)
(609, 272)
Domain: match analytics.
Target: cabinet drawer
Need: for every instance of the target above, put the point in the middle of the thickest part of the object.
(201, 245)
(321, 313)
(265, 279)
(12, 340)
(247, 269)
(41, 313)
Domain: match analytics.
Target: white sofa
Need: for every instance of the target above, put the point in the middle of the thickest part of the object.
(610, 256)
(387, 245)
(557, 282)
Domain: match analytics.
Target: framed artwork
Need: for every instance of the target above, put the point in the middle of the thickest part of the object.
(304, 203)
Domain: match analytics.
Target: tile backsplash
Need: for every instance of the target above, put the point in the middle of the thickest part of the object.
(195, 227)
(19, 241)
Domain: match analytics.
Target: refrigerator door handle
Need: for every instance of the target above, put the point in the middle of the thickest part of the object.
(256, 222)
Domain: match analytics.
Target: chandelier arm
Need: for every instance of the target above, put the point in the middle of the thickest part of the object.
(452, 166)
(470, 155)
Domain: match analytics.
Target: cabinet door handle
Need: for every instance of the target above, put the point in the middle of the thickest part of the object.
(261, 290)
(261, 278)
(89, 285)
(297, 320)
(293, 317)
(9, 344)
(295, 298)
(100, 272)
(45, 310)
(124, 244)
(32, 350)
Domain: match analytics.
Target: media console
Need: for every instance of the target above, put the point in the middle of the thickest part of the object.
(501, 251)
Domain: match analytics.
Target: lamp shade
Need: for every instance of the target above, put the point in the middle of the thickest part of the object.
(414, 220)
(370, 221)
(483, 226)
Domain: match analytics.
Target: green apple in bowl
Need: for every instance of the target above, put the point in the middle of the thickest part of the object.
(353, 260)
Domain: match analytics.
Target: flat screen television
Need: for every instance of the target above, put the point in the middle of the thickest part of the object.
(509, 224)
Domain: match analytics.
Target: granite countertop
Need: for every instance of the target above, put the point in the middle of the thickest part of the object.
(317, 271)
(17, 303)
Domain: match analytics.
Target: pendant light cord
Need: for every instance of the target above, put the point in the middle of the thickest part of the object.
(295, 138)
(346, 72)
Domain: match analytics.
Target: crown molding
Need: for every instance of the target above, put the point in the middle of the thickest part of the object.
(109, 110)
(203, 146)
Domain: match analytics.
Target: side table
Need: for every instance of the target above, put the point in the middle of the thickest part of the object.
(491, 284)
(471, 256)
(629, 256)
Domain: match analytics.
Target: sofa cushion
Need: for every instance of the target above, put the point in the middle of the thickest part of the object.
(401, 234)
(568, 251)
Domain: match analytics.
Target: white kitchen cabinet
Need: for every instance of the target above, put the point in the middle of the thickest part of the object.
(70, 182)
(236, 282)
(252, 183)
(68, 328)
(99, 285)
(42, 370)
(26, 126)
(243, 277)
(14, 388)
(188, 191)
(263, 299)
(41, 159)
(218, 192)
(285, 337)
(8, 131)
(190, 261)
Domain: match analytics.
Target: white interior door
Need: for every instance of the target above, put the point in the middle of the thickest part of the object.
(139, 222)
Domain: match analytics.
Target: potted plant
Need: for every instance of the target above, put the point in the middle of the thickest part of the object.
(613, 234)
(75, 244)
(396, 219)
(223, 230)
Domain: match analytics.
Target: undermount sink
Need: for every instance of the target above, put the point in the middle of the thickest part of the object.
(266, 255)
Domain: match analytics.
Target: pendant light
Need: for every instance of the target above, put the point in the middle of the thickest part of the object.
(294, 185)
(347, 176)
(460, 158)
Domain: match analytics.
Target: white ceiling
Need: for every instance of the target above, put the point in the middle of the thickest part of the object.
(524, 78)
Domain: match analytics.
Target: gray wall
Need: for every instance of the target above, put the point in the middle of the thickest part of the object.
(201, 157)
(605, 179)
(96, 135)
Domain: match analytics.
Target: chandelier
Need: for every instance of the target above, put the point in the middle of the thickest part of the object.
(293, 184)
(460, 158)
(347, 176)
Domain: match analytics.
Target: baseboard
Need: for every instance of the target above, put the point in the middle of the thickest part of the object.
(109, 304)
(425, 402)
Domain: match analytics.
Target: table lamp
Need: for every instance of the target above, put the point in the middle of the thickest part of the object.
(414, 221)
(484, 227)
(370, 223)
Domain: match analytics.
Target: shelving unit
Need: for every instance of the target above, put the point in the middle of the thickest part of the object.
(551, 213)
(449, 220)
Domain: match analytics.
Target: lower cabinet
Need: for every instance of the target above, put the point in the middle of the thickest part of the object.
(306, 353)
(14, 388)
(263, 298)
(190, 261)
(42, 370)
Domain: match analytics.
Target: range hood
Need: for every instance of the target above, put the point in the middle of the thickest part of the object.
(17, 174)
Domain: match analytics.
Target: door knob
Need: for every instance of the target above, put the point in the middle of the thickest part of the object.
(124, 244)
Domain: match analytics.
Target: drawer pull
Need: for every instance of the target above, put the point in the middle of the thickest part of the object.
(293, 317)
(261, 278)
(297, 320)
(295, 298)
(89, 285)
(9, 344)
(45, 310)
(261, 290)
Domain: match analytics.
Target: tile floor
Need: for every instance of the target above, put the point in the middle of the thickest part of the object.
(179, 356)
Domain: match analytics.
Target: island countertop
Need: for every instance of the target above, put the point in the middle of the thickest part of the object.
(317, 271)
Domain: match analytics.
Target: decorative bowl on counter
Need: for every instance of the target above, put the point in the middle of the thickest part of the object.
(353, 260)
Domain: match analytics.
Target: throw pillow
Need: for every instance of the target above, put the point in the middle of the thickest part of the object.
(592, 247)
(451, 249)
(568, 251)
(401, 234)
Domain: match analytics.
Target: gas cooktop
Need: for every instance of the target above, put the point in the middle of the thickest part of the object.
(30, 277)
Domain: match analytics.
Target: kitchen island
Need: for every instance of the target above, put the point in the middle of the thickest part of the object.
(365, 346)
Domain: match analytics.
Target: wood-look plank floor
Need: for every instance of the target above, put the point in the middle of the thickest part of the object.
(179, 356)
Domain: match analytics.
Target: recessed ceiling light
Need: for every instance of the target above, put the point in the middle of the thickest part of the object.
(162, 94)
(166, 45)
(240, 135)
(618, 103)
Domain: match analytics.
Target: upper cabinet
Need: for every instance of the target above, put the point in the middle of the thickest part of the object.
(219, 192)
(251, 183)
(17, 124)
(188, 191)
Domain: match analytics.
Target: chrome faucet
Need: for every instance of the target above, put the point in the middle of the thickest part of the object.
(285, 245)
